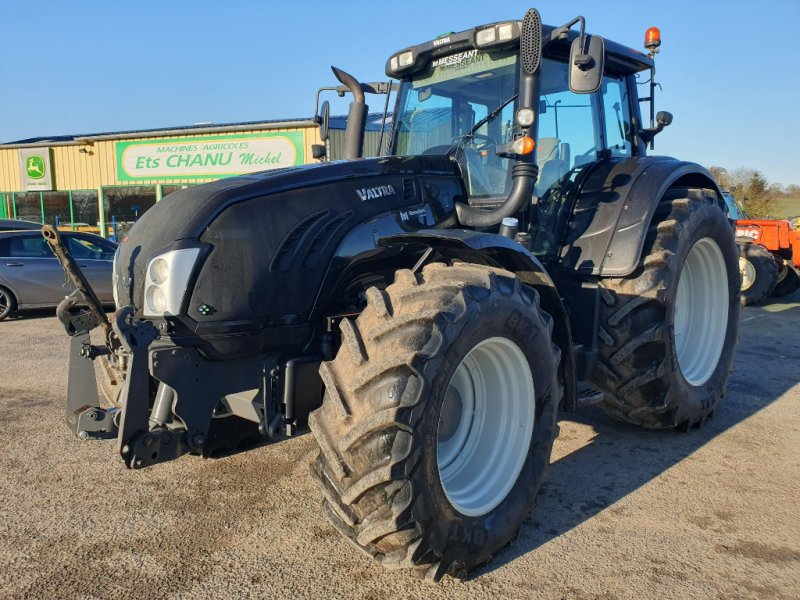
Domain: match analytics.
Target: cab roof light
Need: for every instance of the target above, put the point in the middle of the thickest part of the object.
(505, 32)
(652, 39)
(484, 37)
(405, 59)
(496, 34)
(401, 62)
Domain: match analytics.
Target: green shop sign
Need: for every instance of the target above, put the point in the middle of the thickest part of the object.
(208, 157)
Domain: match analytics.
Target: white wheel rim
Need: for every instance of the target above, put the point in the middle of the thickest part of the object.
(701, 312)
(5, 303)
(748, 272)
(485, 426)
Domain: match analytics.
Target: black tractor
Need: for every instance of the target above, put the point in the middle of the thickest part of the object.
(427, 313)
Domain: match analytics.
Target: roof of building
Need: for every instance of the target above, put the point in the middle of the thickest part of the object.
(336, 122)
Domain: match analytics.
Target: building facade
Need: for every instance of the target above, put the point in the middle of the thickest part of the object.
(103, 182)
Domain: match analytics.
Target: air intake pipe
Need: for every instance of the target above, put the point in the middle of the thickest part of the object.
(356, 116)
(524, 172)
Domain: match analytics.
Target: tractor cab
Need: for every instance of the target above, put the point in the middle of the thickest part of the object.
(476, 97)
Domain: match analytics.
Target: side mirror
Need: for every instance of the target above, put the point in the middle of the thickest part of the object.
(663, 119)
(325, 121)
(586, 64)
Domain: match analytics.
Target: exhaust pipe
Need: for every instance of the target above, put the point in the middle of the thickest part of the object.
(356, 116)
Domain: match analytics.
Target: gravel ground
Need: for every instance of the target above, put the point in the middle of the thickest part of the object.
(624, 514)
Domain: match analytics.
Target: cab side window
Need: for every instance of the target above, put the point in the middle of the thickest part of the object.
(568, 132)
(617, 116)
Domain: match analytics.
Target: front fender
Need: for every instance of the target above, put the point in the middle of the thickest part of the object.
(498, 251)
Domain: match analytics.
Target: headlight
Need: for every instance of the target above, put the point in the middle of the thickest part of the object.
(525, 117)
(158, 271)
(166, 281)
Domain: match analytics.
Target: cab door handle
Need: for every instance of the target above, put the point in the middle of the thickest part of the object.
(15, 264)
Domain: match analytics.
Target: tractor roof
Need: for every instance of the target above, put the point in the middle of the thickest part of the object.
(619, 59)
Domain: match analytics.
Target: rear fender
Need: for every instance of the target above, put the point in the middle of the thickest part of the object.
(614, 208)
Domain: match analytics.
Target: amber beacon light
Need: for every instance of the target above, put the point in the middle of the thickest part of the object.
(652, 39)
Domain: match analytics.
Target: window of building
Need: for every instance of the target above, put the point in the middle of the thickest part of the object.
(28, 206)
(124, 205)
(85, 212)
(166, 189)
(56, 208)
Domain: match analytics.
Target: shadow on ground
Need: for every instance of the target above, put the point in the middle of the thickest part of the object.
(621, 458)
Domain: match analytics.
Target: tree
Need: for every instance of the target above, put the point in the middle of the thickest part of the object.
(757, 202)
(721, 175)
(749, 186)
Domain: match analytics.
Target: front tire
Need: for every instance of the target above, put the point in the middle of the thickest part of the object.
(668, 331)
(438, 418)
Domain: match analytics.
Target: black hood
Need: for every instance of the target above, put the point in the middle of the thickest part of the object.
(249, 223)
(191, 210)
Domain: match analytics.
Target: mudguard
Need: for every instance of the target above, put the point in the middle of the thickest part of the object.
(498, 251)
(613, 209)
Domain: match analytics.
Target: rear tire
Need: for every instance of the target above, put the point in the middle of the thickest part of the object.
(7, 303)
(668, 331)
(392, 430)
(759, 272)
(789, 284)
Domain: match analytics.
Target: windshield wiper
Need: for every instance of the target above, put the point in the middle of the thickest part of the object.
(467, 136)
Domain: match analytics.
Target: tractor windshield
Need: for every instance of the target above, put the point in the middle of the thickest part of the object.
(440, 106)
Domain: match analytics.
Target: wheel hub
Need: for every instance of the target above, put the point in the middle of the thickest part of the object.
(451, 415)
(748, 272)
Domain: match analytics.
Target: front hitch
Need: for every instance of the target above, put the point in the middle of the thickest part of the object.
(84, 415)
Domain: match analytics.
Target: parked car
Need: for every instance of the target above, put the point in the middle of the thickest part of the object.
(31, 276)
(18, 224)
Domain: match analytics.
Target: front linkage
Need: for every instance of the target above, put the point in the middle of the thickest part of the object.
(149, 428)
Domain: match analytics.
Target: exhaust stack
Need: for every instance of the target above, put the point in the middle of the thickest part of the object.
(356, 116)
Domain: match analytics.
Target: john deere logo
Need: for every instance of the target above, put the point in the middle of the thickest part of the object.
(34, 166)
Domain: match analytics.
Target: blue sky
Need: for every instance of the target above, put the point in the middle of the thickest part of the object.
(728, 69)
